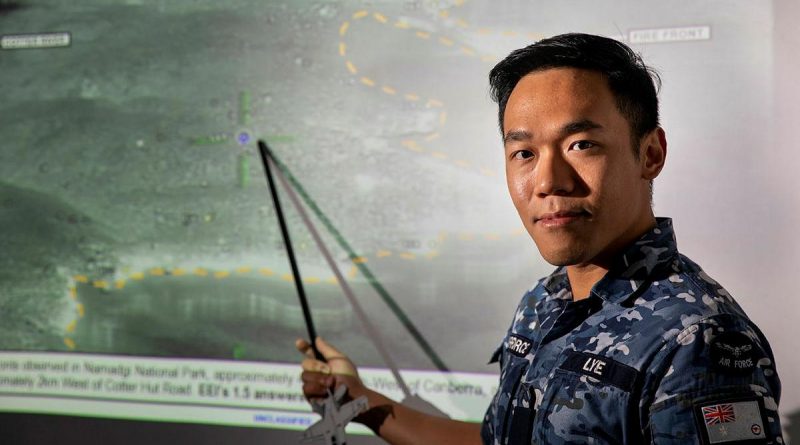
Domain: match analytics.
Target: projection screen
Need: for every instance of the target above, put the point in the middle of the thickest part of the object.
(145, 291)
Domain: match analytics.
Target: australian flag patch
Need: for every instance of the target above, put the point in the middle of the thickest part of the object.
(731, 421)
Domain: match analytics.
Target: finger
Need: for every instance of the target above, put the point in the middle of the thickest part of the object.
(316, 385)
(314, 365)
(304, 347)
(315, 378)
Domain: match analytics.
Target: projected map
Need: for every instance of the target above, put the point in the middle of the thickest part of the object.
(141, 167)
(136, 219)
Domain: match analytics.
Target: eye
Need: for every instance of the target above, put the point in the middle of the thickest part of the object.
(521, 155)
(581, 145)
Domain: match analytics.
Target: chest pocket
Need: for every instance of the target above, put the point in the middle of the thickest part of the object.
(588, 400)
(504, 404)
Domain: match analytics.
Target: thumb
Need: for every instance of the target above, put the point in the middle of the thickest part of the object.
(328, 351)
(339, 363)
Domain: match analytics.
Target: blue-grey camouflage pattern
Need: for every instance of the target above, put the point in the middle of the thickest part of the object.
(657, 312)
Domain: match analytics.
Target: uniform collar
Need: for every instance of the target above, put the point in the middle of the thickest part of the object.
(629, 271)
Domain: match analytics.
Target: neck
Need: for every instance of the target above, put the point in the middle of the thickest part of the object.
(582, 277)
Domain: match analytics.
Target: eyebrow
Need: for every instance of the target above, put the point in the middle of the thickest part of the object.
(568, 129)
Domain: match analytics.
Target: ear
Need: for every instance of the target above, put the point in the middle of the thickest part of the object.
(653, 153)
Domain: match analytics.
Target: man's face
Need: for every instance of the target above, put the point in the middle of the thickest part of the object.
(581, 192)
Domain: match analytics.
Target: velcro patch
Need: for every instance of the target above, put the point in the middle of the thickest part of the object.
(733, 352)
(518, 345)
(602, 368)
(731, 421)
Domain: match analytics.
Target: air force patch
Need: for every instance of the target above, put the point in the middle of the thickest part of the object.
(733, 352)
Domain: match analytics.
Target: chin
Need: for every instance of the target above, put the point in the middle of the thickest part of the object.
(561, 251)
(562, 257)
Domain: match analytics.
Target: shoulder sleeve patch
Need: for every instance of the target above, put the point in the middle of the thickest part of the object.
(731, 422)
(733, 352)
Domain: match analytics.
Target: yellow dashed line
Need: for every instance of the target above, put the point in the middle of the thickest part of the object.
(312, 280)
(368, 82)
(287, 277)
(432, 136)
(119, 284)
(73, 293)
(100, 284)
(401, 25)
(389, 90)
(243, 270)
(484, 31)
(360, 15)
(351, 67)
(81, 278)
(332, 280)
(462, 23)
(488, 59)
(412, 97)
(380, 17)
(137, 276)
(432, 254)
(352, 272)
(343, 28)
(265, 271)
(467, 51)
(411, 145)
(81, 311)
(342, 49)
(466, 237)
(423, 34)
(359, 260)
(442, 117)
(434, 103)
(509, 34)
(200, 272)
(439, 155)
(518, 232)
(492, 236)
(157, 271)
(442, 237)
(178, 272)
(446, 41)
(462, 163)
(71, 326)
(536, 35)
(221, 274)
(444, 13)
(70, 343)
(407, 256)
(488, 172)
(383, 253)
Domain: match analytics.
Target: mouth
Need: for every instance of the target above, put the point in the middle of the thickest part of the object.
(560, 219)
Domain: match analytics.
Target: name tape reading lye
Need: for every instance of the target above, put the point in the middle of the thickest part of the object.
(34, 41)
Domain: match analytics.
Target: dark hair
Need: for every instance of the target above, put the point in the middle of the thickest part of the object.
(634, 84)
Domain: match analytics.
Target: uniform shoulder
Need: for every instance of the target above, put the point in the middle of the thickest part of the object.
(689, 291)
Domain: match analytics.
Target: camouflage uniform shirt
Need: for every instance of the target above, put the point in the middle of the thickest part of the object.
(658, 353)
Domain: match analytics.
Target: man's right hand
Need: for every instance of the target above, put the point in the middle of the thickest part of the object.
(397, 424)
(318, 377)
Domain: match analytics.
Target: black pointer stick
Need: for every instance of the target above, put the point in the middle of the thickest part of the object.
(266, 159)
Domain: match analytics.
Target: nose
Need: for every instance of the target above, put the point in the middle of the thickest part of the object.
(553, 175)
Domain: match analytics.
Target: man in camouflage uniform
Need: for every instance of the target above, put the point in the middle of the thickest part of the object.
(627, 341)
